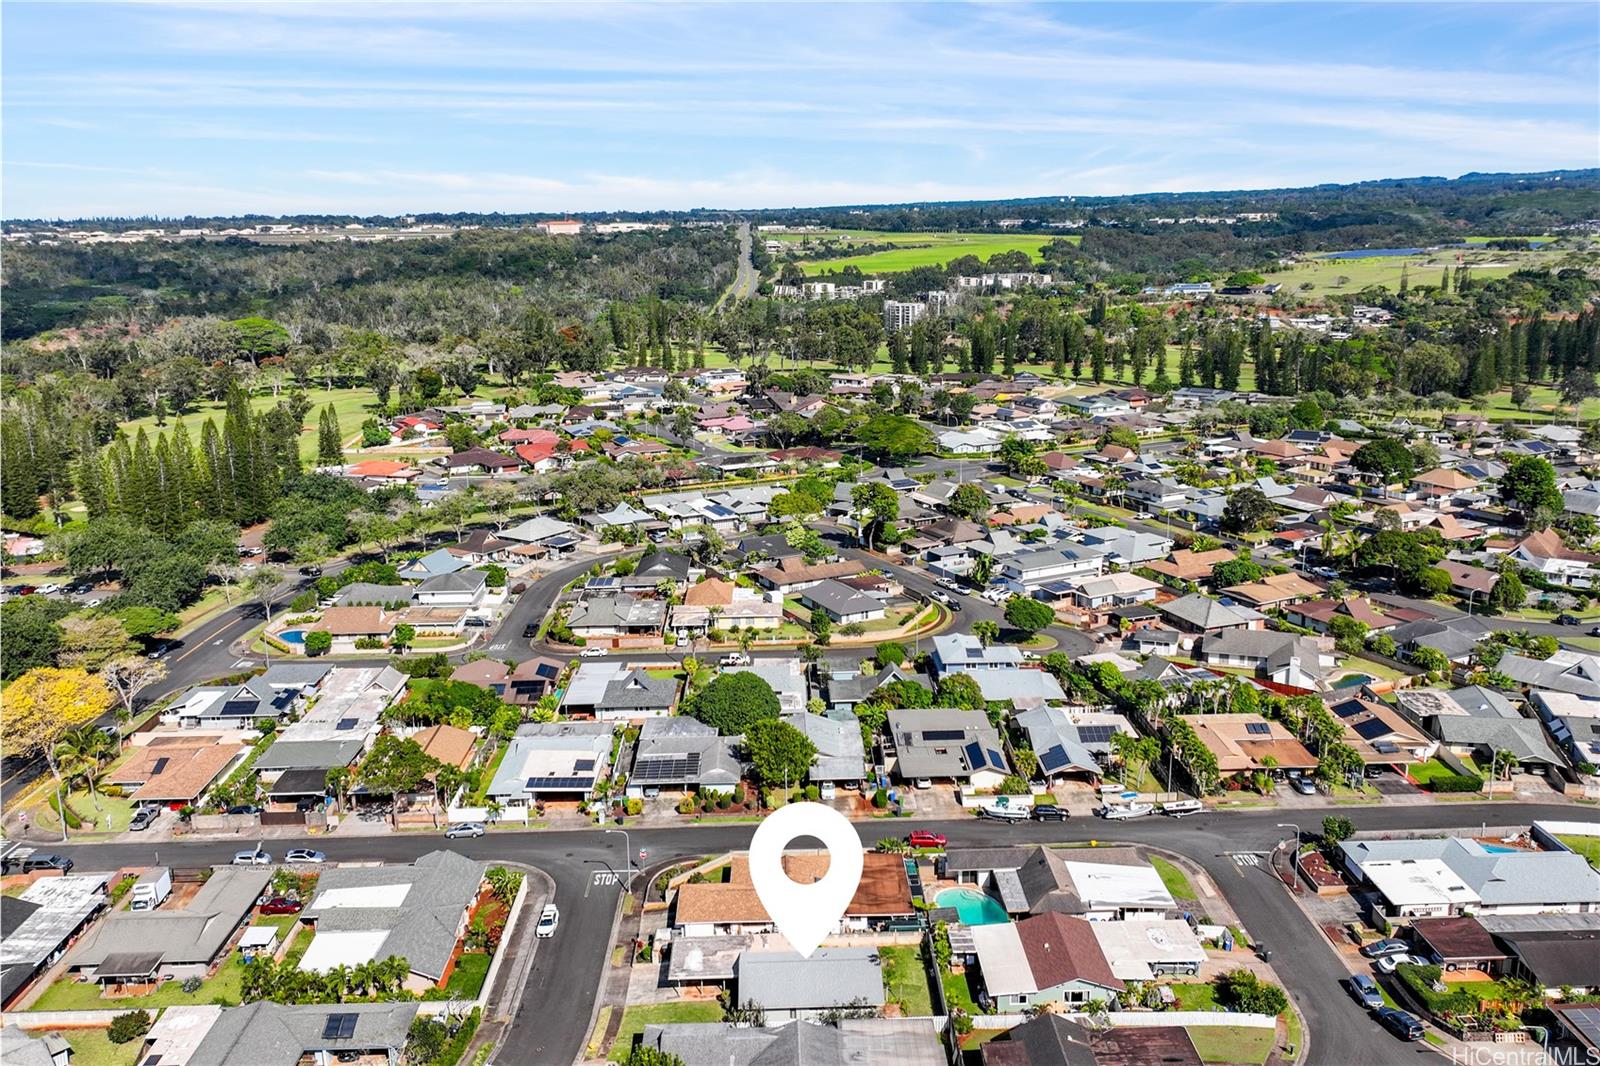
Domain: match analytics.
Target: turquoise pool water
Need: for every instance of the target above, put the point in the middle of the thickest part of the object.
(293, 636)
(1499, 849)
(973, 906)
(1353, 681)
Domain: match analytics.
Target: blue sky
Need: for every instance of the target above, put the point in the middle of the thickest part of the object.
(214, 108)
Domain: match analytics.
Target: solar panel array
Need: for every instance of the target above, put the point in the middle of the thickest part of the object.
(1371, 729)
(1386, 747)
(932, 735)
(1096, 734)
(666, 767)
(979, 758)
(1054, 759)
(568, 783)
(161, 764)
(346, 724)
(1260, 729)
(339, 1027)
(583, 764)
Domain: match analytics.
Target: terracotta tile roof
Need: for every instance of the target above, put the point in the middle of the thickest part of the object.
(1187, 565)
(712, 592)
(382, 468)
(883, 890)
(176, 772)
(1441, 478)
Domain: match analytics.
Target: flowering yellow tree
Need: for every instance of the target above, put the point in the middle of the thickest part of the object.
(41, 705)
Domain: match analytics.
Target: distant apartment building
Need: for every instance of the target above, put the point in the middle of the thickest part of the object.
(902, 314)
(560, 227)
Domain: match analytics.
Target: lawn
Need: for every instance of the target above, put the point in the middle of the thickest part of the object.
(1231, 1044)
(1588, 847)
(1425, 773)
(1196, 996)
(905, 980)
(111, 816)
(466, 980)
(958, 992)
(1176, 881)
(634, 1019)
(67, 994)
(92, 1047)
(1326, 275)
(927, 249)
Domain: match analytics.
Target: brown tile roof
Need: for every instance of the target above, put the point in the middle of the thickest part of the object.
(1275, 588)
(449, 745)
(482, 673)
(1457, 938)
(1440, 478)
(355, 621)
(1186, 565)
(185, 775)
(1547, 544)
(712, 592)
(883, 891)
(1236, 748)
(1062, 949)
(794, 570)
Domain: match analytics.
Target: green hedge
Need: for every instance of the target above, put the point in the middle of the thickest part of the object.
(71, 816)
(1456, 783)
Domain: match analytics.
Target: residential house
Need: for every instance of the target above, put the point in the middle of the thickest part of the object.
(882, 898)
(1567, 670)
(792, 574)
(552, 761)
(174, 770)
(1191, 566)
(480, 461)
(1121, 589)
(1026, 572)
(885, 1041)
(1147, 949)
(1381, 735)
(1458, 943)
(1048, 958)
(1440, 483)
(1554, 952)
(347, 625)
(1468, 581)
(434, 563)
(1480, 723)
(841, 754)
(521, 685)
(1318, 615)
(787, 678)
(968, 442)
(1127, 547)
(340, 725)
(945, 744)
(1545, 553)
(1274, 590)
(683, 754)
(1445, 876)
(1071, 744)
(1454, 638)
(1286, 658)
(467, 589)
(383, 472)
(1573, 722)
(275, 1034)
(615, 692)
(965, 653)
(181, 939)
(1055, 1040)
(1246, 743)
(39, 924)
(418, 911)
(1196, 615)
(786, 986)
(841, 603)
(480, 547)
(620, 615)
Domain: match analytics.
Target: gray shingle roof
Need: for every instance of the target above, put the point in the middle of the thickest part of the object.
(831, 977)
(272, 1034)
(852, 1042)
(423, 929)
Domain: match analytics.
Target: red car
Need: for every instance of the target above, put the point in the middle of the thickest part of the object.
(922, 838)
(282, 905)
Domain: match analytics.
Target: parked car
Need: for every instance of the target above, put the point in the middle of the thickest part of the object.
(244, 808)
(734, 658)
(252, 858)
(591, 653)
(1379, 948)
(940, 596)
(1049, 812)
(304, 855)
(465, 829)
(1567, 620)
(530, 630)
(926, 838)
(955, 606)
(548, 919)
(311, 570)
(1399, 1023)
(160, 650)
(35, 861)
(1594, 631)
(1389, 963)
(1327, 573)
(1365, 991)
(282, 905)
(473, 621)
(142, 818)
(922, 782)
(1303, 785)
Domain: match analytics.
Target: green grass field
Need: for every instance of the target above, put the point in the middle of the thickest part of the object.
(69, 994)
(1176, 881)
(1486, 240)
(92, 1047)
(466, 980)
(1232, 1044)
(1588, 847)
(924, 249)
(905, 980)
(1325, 275)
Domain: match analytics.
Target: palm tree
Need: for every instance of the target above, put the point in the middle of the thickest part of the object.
(82, 751)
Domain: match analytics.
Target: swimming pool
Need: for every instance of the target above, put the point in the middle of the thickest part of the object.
(973, 907)
(1499, 849)
(1354, 681)
(293, 636)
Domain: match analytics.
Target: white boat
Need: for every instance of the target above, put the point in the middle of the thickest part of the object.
(1117, 812)
(1182, 808)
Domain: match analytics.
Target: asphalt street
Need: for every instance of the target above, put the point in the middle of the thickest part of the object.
(552, 1018)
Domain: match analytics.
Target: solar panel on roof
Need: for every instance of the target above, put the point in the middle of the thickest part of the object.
(1386, 747)
(346, 724)
(339, 1027)
(996, 760)
(161, 764)
(583, 764)
(943, 734)
(1371, 729)
(1095, 734)
(1054, 759)
(1260, 729)
(536, 783)
(974, 753)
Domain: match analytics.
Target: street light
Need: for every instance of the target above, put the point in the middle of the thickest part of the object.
(1294, 858)
(627, 853)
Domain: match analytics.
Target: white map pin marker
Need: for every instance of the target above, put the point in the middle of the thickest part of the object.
(806, 914)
